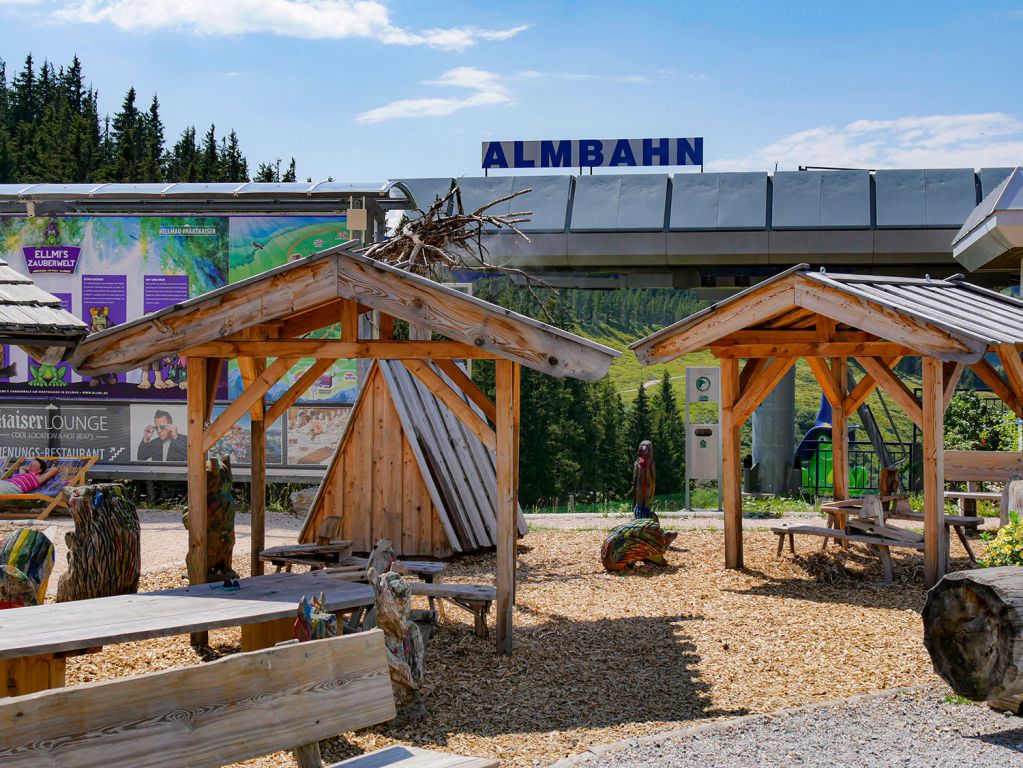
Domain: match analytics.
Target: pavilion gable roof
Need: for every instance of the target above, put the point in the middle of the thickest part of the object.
(291, 295)
(949, 319)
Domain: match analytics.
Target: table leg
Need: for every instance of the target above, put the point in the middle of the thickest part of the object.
(30, 674)
(966, 544)
(266, 634)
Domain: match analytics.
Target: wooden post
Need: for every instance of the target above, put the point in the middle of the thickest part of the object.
(507, 401)
(257, 478)
(840, 431)
(731, 466)
(935, 543)
(196, 405)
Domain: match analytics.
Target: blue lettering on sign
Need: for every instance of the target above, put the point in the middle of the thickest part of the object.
(520, 161)
(622, 154)
(556, 154)
(494, 156)
(591, 152)
(690, 154)
(661, 152)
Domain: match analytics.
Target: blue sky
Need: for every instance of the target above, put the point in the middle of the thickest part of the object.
(368, 90)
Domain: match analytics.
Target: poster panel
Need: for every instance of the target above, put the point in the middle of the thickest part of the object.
(158, 433)
(67, 429)
(237, 443)
(313, 433)
(108, 270)
(259, 243)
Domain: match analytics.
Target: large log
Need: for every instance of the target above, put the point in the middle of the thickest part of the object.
(973, 629)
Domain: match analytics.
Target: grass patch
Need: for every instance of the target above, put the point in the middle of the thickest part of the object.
(955, 698)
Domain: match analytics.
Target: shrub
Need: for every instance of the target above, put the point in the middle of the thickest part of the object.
(1007, 547)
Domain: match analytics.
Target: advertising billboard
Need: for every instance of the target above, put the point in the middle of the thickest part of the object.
(109, 270)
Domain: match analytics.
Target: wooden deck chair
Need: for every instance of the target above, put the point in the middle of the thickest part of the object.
(71, 471)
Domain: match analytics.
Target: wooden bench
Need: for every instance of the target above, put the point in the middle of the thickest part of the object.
(976, 467)
(879, 545)
(474, 598)
(238, 708)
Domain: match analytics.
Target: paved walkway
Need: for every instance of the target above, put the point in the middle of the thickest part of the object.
(911, 728)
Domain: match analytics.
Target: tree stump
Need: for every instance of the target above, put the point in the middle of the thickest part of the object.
(973, 629)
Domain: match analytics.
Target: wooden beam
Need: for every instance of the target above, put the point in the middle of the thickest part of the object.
(342, 350)
(752, 368)
(312, 320)
(385, 326)
(760, 387)
(469, 388)
(196, 368)
(895, 388)
(349, 321)
(935, 555)
(825, 380)
(453, 401)
(879, 317)
(257, 477)
(813, 349)
(731, 466)
(213, 370)
(839, 429)
(250, 397)
(768, 336)
(864, 388)
(507, 403)
(1013, 366)
(987, 373)
(826, 329)
(952, 373)
(280, 406)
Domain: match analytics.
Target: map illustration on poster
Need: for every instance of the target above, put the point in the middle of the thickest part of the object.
(259, 243)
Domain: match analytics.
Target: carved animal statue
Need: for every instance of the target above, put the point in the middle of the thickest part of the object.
(220, 511)
(105, 547)
(382, 557)
(402, 638)
(313, 622)
(637, 541)
(26, 561)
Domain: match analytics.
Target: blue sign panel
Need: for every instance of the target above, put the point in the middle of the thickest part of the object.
(592, 153)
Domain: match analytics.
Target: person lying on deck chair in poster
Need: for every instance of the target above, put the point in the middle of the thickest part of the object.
(34, 475)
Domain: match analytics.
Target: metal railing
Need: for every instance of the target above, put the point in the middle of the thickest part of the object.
(816, 473)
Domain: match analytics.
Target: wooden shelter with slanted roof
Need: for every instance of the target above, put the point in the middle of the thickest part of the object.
(828, 319)
(263, 322)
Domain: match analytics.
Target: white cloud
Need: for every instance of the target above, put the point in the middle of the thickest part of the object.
(486, 88)
(928, 141)
(532, 74)
(306, 19)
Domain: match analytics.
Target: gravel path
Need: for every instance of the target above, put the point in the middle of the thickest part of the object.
(908, 729)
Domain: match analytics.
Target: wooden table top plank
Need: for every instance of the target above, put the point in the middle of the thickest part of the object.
(58, 627)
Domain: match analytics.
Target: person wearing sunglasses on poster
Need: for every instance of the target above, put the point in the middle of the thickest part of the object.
(162, 441)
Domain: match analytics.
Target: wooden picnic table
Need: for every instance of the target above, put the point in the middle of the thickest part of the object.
(36, 640)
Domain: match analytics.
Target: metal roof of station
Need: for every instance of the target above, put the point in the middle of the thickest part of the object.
(993, 232)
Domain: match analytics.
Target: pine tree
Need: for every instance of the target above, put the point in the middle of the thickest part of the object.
(233, 161)
(152, 151)
(289, 175)
(126, 141)
(669, 438)
(209, 157)
(640, 426)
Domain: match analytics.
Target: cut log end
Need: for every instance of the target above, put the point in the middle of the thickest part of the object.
(973, 630)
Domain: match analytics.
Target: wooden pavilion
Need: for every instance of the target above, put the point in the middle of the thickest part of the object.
(828, 319)
(263, 322)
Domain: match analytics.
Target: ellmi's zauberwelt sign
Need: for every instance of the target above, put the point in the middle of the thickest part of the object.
(593, 153)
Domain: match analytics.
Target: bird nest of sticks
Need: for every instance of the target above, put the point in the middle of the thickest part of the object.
(437, 240)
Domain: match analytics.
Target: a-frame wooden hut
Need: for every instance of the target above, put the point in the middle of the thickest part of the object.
(262, 322)
(409, 470)
(828, 319)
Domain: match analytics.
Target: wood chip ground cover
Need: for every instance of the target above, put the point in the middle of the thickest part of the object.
(601, 657)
